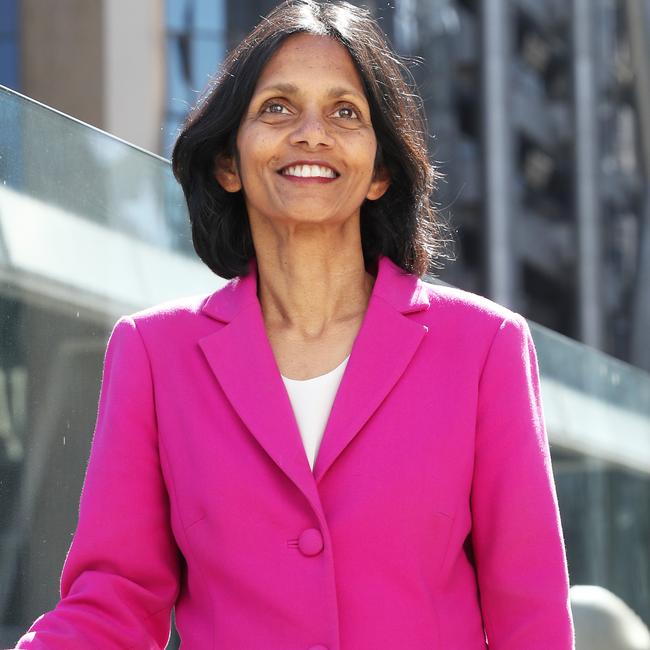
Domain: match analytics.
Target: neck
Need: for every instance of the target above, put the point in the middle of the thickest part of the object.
(307, 294)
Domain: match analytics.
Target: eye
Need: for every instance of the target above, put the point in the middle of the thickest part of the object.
(351, 109)
(269, 104)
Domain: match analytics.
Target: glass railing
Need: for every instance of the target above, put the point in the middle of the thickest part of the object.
(91, 217)
(597, 412)
(92, 227)
(594, 404)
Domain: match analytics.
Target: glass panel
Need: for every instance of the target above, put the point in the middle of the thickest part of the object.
(594, 404)
(597, 412)
(82, 171)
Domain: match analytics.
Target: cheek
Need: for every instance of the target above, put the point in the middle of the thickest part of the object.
(364, 147)
(258, 155)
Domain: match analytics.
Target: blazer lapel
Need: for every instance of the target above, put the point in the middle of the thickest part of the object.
(241, 358)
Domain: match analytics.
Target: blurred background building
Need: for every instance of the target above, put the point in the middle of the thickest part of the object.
(539, 117)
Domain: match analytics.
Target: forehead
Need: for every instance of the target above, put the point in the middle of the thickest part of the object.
(309, 59)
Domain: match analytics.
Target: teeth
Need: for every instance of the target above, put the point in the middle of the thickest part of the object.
(307, 171)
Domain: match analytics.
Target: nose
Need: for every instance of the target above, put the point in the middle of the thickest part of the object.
(312, 129)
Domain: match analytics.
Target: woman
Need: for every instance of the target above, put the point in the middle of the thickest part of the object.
(328, 453)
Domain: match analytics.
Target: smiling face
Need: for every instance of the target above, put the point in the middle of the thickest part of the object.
(309, 104)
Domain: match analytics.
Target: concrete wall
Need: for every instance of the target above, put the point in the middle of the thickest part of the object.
(101, 61)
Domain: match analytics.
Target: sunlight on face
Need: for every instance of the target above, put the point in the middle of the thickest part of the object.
(309, 104)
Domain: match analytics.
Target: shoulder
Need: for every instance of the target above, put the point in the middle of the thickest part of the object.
(460, 307)
(174, 309)
(168, 320)
(471, 328)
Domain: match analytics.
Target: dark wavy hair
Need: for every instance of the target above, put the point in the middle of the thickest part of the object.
(402, 224)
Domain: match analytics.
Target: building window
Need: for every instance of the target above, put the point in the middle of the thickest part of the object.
(9, 72)
(196, 45)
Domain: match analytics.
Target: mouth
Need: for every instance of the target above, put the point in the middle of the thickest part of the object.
(309, 172)
(306, 180)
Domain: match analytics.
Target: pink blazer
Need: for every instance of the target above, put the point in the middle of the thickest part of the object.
(430, 521)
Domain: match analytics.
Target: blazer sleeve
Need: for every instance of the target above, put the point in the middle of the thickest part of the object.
(120, 578)
(517, 536)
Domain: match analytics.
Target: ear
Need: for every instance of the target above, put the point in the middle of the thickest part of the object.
(380, 183)
(225, 171)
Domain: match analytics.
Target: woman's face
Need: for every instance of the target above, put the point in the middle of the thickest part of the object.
(308, 105)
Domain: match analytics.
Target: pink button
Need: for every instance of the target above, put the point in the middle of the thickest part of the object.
(310, 542)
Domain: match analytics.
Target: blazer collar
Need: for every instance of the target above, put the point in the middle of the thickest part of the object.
(404, 291)
(242, 360)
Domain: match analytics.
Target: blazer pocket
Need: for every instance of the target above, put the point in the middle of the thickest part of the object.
(444, 524)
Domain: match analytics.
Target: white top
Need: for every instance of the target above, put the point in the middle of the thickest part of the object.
(312, 401)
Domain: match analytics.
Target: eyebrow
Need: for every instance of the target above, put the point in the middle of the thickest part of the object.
(292, 89)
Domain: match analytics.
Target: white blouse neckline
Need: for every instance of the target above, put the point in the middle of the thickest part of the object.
(327, 374)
